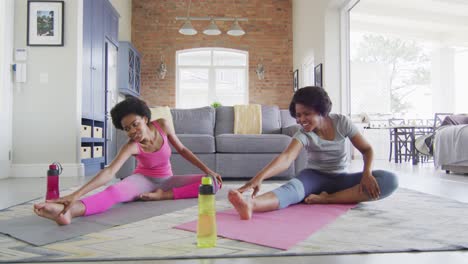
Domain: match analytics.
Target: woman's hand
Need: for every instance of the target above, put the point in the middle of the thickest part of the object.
(369, 183)
(67, 201)
(218, 178)
(251, 184)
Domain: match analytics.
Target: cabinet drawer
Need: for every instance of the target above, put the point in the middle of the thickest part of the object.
(97, 151)
(97, 133)
(85, 131)
(85, 152)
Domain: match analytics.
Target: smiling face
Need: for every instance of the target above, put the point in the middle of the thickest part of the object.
(135, 126)
(307, 117)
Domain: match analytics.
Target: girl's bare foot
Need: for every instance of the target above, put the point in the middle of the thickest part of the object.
(156, 195)
(243, 207)
(316, 198)
(53, 212)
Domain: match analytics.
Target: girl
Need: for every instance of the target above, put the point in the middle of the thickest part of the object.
(152, 178)
(325, 179)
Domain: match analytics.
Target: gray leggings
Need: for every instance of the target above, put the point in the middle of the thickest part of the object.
(311, 181)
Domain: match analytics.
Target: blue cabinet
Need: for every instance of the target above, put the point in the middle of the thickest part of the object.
(111, 23)
(129, 69)
(100, 25)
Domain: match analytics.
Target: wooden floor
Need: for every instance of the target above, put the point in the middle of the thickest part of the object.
(422, 177)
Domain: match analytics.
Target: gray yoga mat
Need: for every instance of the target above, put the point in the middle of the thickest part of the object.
(39, 231)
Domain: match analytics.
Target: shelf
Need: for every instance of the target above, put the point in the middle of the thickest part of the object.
(129, 92)
(92, 140)
(92, 160)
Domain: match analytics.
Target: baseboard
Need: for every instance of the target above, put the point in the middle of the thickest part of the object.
(40, 170)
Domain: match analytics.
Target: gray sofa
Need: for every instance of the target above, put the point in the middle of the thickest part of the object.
(208, 132)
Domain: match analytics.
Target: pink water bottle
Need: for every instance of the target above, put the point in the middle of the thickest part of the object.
(53, 181)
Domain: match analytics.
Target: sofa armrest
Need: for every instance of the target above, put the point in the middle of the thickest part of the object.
(290, 130)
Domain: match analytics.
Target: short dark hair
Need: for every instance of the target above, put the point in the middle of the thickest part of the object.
(131, 105)
(313, 97)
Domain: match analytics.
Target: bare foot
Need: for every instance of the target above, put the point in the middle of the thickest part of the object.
(52, 211)
(244, 208)
(156, 195)
(316, 198)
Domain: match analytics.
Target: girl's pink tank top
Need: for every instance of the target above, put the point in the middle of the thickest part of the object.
(155, 164)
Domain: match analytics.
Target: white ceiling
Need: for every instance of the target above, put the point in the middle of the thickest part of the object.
(445, 21)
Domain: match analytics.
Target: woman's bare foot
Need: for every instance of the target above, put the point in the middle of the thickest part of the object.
(244, 208)
(53, 212)
(157, 195)
(316, 198)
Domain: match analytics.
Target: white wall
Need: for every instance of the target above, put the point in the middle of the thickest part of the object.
(124, 8)
(316, 35)
(6, 83)
(47, 114)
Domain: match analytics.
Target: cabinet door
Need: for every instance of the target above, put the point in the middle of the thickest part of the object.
(137, 74)
(97, 58)
(131, 69)
(111, 23)
(86, 101)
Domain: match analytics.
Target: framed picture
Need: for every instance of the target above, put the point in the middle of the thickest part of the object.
(296, 80)
(318, 75)
(45, 23)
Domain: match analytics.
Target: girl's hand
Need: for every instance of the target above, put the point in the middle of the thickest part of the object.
(251, 184)
(369, 183)
(67, 201)
(218, 178)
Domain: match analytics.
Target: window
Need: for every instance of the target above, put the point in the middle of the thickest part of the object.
(209, 75)
(407, 63)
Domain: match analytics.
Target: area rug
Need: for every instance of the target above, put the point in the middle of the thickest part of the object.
(39, 231)
(296, 223)
(404, 222)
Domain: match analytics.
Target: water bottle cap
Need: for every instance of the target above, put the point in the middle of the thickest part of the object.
(52, 167)
(207, 181)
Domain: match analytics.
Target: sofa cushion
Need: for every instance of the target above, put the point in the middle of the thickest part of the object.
(286, 118)
(224, 120)
(268, 143)
(271, 120)
(247, 166)
(194, 121)
(197, 143)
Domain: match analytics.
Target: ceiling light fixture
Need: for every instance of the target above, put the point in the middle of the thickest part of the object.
(212, 29)
(187, 28)
(236, 30)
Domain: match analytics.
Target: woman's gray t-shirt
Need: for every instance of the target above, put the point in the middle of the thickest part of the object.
(328, 155)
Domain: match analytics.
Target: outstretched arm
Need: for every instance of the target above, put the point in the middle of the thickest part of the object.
(184, 151)
(277, 165)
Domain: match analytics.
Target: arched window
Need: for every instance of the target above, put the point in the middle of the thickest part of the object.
(209, 75)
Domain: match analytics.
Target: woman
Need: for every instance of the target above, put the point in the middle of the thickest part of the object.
(325, 180)
(152, 178)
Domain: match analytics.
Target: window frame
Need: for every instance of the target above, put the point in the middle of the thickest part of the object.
(211, 72)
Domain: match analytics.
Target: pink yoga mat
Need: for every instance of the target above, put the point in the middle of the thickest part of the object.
(280, 229)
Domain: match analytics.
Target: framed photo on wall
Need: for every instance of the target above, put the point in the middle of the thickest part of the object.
(45, 23)
(318, 75)
(296, 80)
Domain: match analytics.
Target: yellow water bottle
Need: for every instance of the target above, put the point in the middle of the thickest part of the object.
(206, 226)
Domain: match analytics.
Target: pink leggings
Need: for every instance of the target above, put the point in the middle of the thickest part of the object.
(130, 188)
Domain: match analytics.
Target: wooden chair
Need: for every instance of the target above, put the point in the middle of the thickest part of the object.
(391, 123)
(439, 118)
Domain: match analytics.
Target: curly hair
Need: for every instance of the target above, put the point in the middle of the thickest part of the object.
(130, 105)
(313, 97)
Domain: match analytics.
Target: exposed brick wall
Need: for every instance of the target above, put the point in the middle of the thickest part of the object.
(268, 37)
